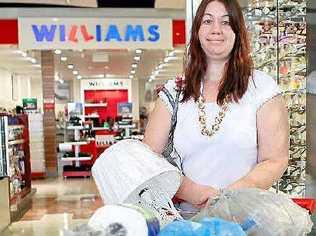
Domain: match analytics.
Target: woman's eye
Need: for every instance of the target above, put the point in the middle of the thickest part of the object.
(225, 22)
(207, 21)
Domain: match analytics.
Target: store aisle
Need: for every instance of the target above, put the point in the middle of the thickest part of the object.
(57, 204)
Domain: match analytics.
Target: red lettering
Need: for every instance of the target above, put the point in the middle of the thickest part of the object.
(73, 34)
(85, 33)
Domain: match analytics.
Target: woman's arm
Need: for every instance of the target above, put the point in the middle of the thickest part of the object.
(156, 137)
(158, 127)
(273, 146)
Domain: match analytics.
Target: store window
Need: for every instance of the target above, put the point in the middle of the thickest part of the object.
(278, 39)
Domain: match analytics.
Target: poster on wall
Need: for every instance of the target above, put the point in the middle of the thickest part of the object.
(29, 104)
(62, 91)
(124, 108)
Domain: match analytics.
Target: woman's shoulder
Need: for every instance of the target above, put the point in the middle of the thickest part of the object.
(262, 87)
(261, 79)
(168, 92)
(175, 84)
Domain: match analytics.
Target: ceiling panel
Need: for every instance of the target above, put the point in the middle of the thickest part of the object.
(117, 63)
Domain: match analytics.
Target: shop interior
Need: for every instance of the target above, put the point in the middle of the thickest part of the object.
(106, 95)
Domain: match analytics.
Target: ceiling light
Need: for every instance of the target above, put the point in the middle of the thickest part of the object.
(167, 59)
(138, 51)
(70, 66)
(75, 72)
(55, 19)
(137, 58)
(133, 72)
(24, 54)
(161, 66)
(63, 58)
(57, 52)
(79, 77)
(172, 53)
(134, 65)
(131, 76)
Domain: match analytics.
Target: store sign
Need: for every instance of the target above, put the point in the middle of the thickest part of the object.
(105, 84)
(29, 103)
(94, 33)
(49, 106)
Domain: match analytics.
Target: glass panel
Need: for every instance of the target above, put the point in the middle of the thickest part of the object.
(278, 38)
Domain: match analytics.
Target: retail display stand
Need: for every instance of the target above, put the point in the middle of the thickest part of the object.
(76, 169)
(15, 161)
(37, 145)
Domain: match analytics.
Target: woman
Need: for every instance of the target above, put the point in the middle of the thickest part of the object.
(232, 124)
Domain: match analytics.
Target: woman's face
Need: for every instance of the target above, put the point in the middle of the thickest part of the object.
(215, 34)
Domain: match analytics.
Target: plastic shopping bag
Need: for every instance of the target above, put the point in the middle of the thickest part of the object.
(259, 212)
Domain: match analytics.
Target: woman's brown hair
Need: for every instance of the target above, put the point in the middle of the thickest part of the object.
(238, 69)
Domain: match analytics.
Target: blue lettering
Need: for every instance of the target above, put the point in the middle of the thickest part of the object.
(98, 33)
(134, 33)
(113, 33)
(44, 33)
(62, 33)
(154, 34)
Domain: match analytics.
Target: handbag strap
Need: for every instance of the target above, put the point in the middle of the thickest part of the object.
(174, 103)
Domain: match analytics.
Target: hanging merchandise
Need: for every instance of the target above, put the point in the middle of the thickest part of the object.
(278, 32)
(259, 212)
(129, 172)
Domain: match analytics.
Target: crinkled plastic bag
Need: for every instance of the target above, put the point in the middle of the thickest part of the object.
(206, 227)
(259, 212)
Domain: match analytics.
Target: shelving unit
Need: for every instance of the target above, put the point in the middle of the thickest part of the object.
(278, 31)
(95, 104)
(38, 169)
(15, 162)
(76, 168)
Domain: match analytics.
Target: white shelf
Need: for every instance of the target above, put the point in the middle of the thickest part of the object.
(75, 127)
(76, 143)
(91, 116)
(100, 128)
(127, 126)
(95, 104)
(14, 142)
(88, 158)
(16, 126)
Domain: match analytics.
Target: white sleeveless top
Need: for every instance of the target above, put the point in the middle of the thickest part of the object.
(231, 153)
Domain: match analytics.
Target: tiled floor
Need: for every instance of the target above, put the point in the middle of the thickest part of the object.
(58, 204)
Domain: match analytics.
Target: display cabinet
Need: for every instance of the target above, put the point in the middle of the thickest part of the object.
(15, 160)
(278, 34)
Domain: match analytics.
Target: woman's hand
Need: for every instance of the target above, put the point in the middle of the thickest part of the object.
(203, 194)
(196, 194)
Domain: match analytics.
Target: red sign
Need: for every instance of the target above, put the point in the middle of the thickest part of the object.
(9, 31)
(178, 32)
(49, 106)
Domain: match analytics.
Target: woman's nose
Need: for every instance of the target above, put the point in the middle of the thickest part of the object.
(216, 27)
